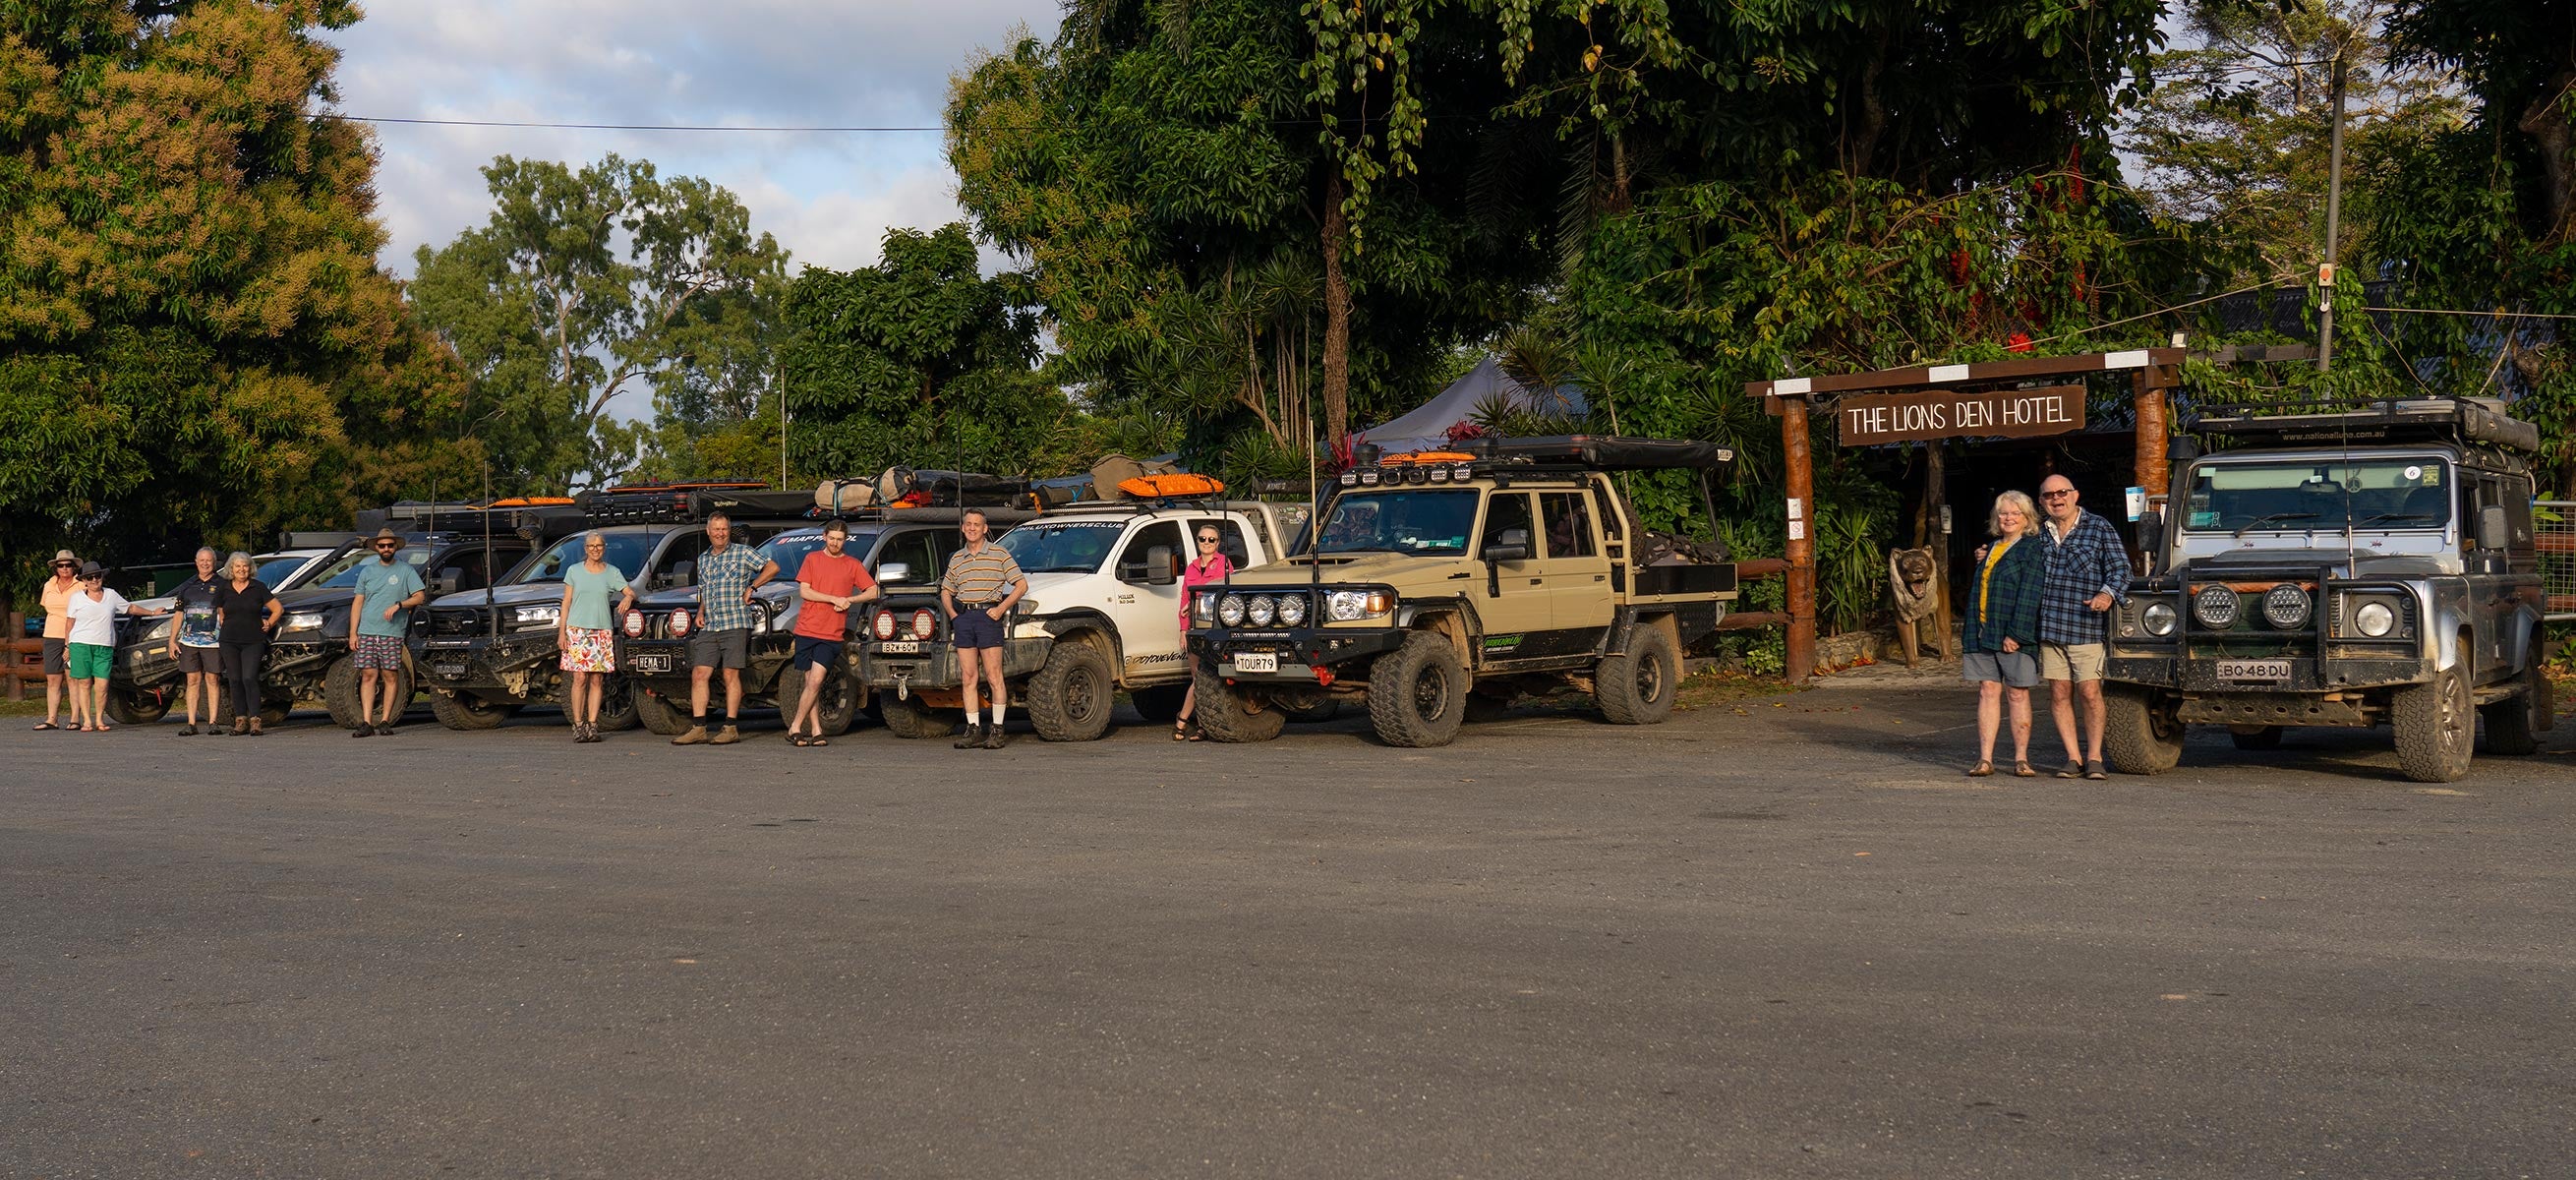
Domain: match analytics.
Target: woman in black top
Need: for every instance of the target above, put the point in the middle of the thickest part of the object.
(245, 613)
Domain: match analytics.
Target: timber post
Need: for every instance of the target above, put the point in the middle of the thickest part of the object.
(1795, 448)
(2148, 406)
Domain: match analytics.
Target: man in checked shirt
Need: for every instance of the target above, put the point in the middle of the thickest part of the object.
(2088, 571)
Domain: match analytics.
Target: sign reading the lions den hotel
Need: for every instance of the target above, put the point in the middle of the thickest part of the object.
(1870, 419)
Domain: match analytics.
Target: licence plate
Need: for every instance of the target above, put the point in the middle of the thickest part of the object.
(650, 663)
(2274, 670)
(1256, 661)
(451, 671)
(901, 647)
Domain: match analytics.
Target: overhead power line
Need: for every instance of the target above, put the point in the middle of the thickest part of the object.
(617, 126)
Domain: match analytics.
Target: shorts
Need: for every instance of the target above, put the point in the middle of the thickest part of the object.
(2078, 662)
(207, 661)
(973, 628)
(54, 656)
(383, 653)
(730, 648)
(2015, 668)
(586, 650)
(92, 661)
(817, 653)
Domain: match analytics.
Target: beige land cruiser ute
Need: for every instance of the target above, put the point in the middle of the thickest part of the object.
(1502, 568)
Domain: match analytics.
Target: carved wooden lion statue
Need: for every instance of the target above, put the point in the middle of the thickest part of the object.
(1910, 580)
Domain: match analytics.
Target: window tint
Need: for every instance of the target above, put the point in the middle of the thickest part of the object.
(1166, 533)
(918, 550)
(1505, 511)
(1569, 524)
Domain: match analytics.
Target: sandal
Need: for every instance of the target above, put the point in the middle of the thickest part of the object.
(42, 726)
(818, 740)
(2021, 769)
(796, 739)
(1985, 768)
(1181, 730)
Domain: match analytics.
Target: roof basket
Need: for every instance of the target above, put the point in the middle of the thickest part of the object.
(2430, 419)
(691, 503)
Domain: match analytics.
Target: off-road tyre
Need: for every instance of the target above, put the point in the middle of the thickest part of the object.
(1160, 704)
(2266, 738)
(2436, 728)
(340, 692)
(1070, 696)
(660, 717)
(2514, 726)
(909, 718)
(465, 713)
(1638, 688)
(839, 708)
(2139, 736)
(1418, 693)
(1219, 712)
(136, 708)
(617, 705)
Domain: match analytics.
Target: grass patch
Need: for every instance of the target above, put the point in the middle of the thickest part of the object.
(32, 707)
(1713, 687)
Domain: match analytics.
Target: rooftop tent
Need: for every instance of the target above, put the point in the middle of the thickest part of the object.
(1429, 425)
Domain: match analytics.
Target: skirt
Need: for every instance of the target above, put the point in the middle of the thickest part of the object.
(586, 650)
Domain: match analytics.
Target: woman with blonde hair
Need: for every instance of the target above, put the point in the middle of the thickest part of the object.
(2000, 632)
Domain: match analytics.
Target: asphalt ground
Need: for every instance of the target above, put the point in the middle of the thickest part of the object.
(1774, 938)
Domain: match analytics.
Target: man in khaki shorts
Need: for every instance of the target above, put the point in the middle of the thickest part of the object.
(2088, 572)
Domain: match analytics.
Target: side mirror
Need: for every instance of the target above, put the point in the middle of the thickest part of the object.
(683, 573)
(895, 572)
(448, 581)
(1511, 545)
(2493, 532)
(1159, 565)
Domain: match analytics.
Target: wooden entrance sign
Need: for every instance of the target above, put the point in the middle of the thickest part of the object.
(1870, 419)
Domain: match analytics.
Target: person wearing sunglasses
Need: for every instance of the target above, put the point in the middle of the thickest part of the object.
(58, 634)
(1209, 566)
(387, 590)
(92, 610)
(2088, 573)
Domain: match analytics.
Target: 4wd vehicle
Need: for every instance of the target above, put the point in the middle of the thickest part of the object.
(899, 547)
(485, 654)
(1512, 566)
(2353, 568)
(1102, 615)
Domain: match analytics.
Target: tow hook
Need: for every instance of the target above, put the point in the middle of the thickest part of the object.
(903, 688)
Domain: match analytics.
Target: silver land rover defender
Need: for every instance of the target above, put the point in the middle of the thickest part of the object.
(2339, 568)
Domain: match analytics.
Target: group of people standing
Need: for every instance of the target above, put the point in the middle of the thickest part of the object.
(224, 620)
(2039, 609)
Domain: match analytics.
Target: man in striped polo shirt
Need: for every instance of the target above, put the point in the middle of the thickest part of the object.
(981, 585)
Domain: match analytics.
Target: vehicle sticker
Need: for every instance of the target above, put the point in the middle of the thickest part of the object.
(2204, 520)
(2414, 473)
(1502, 642)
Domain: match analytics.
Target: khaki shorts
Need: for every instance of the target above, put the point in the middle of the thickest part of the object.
(2070, 661)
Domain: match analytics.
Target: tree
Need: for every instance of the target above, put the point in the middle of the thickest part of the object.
(586, 283)
(195, 342)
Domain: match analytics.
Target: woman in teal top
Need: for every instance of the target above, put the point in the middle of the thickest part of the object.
(585, 630)
(2000, 633)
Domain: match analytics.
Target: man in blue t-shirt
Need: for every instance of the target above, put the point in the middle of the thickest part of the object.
(193, 642)
(387, 590)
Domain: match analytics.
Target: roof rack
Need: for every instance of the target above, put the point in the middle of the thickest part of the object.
(535, 515)
(2431, 419)
(1594, 452)
(691, 503)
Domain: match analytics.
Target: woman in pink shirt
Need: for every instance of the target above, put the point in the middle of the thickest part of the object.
(1209, 566)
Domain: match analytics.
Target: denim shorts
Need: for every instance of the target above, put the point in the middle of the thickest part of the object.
(2019, 669)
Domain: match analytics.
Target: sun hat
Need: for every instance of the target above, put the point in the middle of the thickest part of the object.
(92, 569)
(63, 555)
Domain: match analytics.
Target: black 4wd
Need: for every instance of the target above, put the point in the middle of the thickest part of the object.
(2353, 568)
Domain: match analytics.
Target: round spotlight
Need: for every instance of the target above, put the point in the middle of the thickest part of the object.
(1229, 610)
(634, 624)
(1261, 610)
(2286, 607)
(679, 624)
(2374, 619)
(923, 623)
(1292, 609)
(882, 626)
(2215, 607)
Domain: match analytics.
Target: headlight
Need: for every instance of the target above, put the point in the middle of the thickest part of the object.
(882, 626)
(1350, 606)
(536, 616)
(1261, 610)
(2158, 619)
(923, 623)
(2374, 619)
(1292, 609)
(2215, 607)
(680, 623)
(2286, 607)
(160, 631)
(303, 620)
(634, 624)
(1203, 608)
(1229, 610)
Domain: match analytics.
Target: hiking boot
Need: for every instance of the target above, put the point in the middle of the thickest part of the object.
(993, 737)
(726, 736)
(973, 740)
(697, 736)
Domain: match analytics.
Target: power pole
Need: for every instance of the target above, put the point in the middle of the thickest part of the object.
(2334, 221)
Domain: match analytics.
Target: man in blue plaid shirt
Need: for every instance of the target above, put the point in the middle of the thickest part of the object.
(726, 577)
(2088, 571)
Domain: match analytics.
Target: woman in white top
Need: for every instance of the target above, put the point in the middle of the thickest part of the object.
(93, 609)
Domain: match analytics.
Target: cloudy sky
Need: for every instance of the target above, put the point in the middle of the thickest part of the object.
(828, 197)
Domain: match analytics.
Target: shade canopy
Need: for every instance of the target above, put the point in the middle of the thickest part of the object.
(1428, 425)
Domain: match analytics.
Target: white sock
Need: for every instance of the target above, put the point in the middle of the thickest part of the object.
(974, 717)
(997, 712)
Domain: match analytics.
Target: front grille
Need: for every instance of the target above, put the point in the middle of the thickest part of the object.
(454, 622)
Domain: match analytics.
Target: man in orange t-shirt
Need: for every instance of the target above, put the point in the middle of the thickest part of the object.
(829, 582)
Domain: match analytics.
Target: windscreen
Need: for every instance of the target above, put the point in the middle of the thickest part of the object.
(271, 570)
(343, 574)
(627, 551)
(1401, 522)
(2298, 496)
(1068, 546)
(791, 551)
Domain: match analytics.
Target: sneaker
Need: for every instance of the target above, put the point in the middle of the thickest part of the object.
(726, 736)
(188, 731)
(993, 737)
(696, 736)
(383, 728)
(974, 739)
(363, 730)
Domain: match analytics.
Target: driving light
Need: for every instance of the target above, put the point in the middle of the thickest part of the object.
(1229, 610)
(2286, 607)
(882, 626)
(1369, 478)
(1461, 472)
(1261, 610)
(2374, 619)
(1292, 609)
(2215, 607)
(2158, 619)
(1439, 475)
(923, 623)
(679, 624)
(1350, 478)
(634, 624)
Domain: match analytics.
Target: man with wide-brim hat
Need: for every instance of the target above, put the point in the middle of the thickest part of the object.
(387, 590)
(58, 631)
